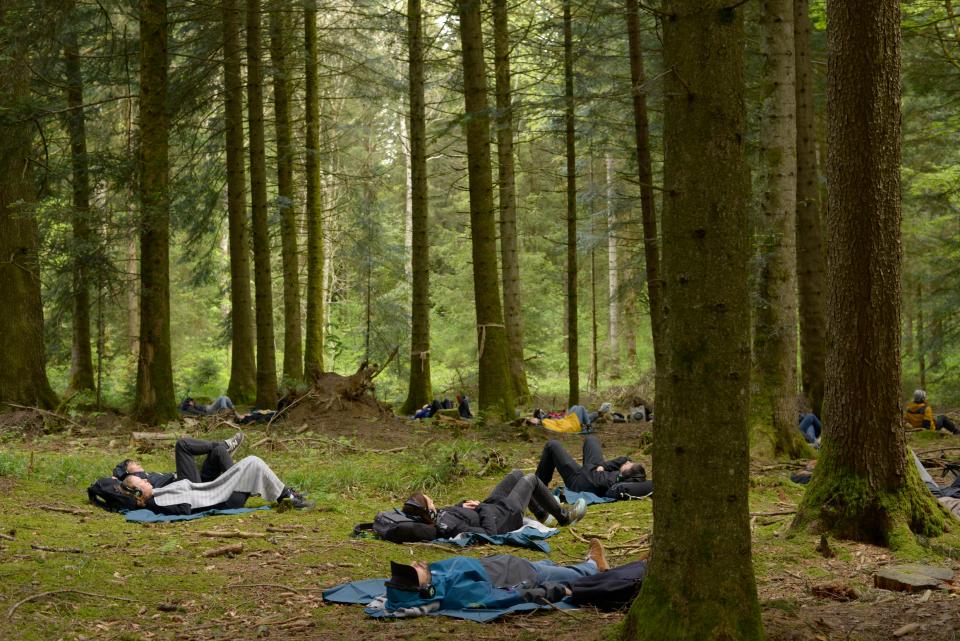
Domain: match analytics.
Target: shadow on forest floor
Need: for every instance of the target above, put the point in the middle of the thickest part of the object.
(112, 580)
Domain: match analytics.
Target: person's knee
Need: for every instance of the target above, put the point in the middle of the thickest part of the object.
(530, 479)
(180, 445)
(515, 474)
(552, 445)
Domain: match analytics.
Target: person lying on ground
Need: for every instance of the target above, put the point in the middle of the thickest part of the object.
(499, 513)
(217, 460)
(190, 406)
(595, 475)
(230, 490)
(498, 581)
(427, 411)
(948, 496)
(919, 414)
(811, 428)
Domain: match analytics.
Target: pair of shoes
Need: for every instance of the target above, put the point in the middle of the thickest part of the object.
(233, 443)
(597, 555)
(576, 512)
(291, 498)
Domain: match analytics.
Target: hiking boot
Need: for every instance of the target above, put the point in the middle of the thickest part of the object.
(597, 555)
(290, 498)
(550, 521)
(576, 512)
(233, 443)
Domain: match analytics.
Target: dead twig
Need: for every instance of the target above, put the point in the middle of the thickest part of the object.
(236, 534)
(46, 413)
(6, 537)
(782, 513)
(377, 371)
(64, 510)
(40, 595)
(44, 548)
(264, 585)
(280, 412)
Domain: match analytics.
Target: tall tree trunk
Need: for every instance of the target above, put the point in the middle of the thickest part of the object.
(290, 252)
(407, 197)
(155, 402)
(496, 392)
(865, 487)
(81, 365)
(921, 338)
(243, 383)
(133, 296)
(774, 411)
(613, 282)
(420, 390)
(263, 280)
(700, 582)
(506, 180)
(641, 129)
(573, 357)
(313, 352)
(810, 265)
(23, 378)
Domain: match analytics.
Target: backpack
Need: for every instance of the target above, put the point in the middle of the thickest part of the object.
(630, 490)
(397, 527)
(108, 494)
(611, 590)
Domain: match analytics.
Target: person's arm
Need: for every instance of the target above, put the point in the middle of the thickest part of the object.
(545, 592)
(614, 464)
(928, 420)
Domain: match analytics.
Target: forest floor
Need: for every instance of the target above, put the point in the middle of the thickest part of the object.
(71, 571)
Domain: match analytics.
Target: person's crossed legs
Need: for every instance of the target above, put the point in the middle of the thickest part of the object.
(520, 491)
(217, 461)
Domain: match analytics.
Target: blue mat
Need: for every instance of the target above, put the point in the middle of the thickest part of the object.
(526, 537)
(365, 591)
(589, 497)
(146, 516)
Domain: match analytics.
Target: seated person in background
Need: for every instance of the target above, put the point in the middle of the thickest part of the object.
(190, 406)
(230, 490)
(499, 581)
(463, 407)
(811, 428)
(596, 475)
(217, 460)
(919, 415)
(499, 513)
(427, 411)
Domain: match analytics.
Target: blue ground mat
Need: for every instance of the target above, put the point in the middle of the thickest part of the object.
(146, 516)
(589, 497)
(531, 536)
(365, 591)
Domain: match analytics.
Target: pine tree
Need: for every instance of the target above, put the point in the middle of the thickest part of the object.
(313, 348)
(700, 582)
(569, 106)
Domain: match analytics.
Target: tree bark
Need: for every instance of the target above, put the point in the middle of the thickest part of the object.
(613, 282)
(700, 582)
(921, 338)
(496, 393)
(865, 487)
(155, 402)
(313, 352)
(645, 175)
(810, 264)
(23, 378)
(263, 281)
(243, 383)
(81, 365)
(573, 356)
(774, 411)
(290, 252)
(506, 181)
(419, 391)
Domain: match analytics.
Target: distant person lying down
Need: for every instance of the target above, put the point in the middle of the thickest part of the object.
(616, 478)
(231, 489)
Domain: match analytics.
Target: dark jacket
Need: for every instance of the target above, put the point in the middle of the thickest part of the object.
(599, 482)
(490, 517)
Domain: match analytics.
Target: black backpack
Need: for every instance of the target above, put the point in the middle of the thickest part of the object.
(611, 590)
(108, 494)
(630, 490)
(397, 527)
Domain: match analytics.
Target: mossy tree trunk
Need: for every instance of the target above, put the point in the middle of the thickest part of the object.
(506, 181)
(641, 128)
(810, 262)
(774, 405)
(263, 280)
(419, 391)
(865, 488)
(81, 361)
(243, 383)
(700, 582)
(23, 377)
(154, 401)
(289, 248)
(313, 349)
(496, 392)
(573, 343)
